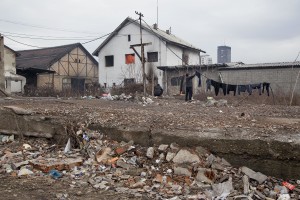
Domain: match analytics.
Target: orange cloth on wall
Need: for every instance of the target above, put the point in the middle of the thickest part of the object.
(129, 59)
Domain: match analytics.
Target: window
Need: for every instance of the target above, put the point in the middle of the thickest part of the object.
(152, 56)
(129, 59)
(129, 38)
(175, 81)
(77, 60)
(128, 81)
(109, 61)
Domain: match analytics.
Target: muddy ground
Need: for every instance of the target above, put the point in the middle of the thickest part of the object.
(174, 118)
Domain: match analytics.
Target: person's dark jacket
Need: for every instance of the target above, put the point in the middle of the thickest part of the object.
(158, 91)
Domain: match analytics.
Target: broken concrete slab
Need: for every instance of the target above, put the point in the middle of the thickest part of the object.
(45, 165)
(259, 177)
(184, 156)
(19, 111)
(182, 171)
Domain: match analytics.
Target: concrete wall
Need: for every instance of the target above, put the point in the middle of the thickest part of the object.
(119, 45)
(282, 80)
(210, 73)
(69, 67)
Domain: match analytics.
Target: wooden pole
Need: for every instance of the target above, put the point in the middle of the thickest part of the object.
(2, 77)
(142, 51)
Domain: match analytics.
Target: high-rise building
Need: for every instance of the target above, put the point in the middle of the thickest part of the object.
(224, 54)
(206, 59)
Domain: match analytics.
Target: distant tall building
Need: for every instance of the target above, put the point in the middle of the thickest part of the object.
(224, 54)
(206, 60)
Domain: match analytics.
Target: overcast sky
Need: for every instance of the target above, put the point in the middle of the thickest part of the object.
(257, 31)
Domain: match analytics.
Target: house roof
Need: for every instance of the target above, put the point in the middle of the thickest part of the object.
(242, 66)
(16, 53)
(44, 58)
(169, 38)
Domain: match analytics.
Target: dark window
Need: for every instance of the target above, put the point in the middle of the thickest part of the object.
(129, 59)
(129, 38)
(152, 56)
(128, 81)
(175, 81)
(109, 61)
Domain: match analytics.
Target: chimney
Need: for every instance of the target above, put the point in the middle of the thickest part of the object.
(155, 26)
(168, 32)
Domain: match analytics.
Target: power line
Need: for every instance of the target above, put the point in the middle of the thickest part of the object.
(47, 36)
(43, 27)
(41, 38)
(23, 43)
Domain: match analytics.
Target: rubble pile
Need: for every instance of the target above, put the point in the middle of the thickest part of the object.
(158, 172)
(139, 99)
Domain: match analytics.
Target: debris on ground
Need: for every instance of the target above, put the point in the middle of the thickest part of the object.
(158, 172)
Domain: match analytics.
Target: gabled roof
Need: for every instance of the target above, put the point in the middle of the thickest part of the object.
(44, 58)
(16, 53)
(169, 38)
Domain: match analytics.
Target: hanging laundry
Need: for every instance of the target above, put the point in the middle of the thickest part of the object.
(267, 86)
(231, 88)
(199, 77)
(216, 86)
(244, 88)
(224, 88)
(208, 85)
(257, 86)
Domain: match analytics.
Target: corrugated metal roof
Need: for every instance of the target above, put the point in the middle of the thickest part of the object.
(158, 32)
(239, 66)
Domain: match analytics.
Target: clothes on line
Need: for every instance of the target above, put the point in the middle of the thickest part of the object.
(227, 88)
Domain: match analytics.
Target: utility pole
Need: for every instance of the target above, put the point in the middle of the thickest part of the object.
(2, 77)
(142, 51)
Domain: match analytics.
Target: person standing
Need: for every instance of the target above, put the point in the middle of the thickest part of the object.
(188, 87)
(158, 91)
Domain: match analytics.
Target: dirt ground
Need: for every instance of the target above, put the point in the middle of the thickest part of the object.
(169, 114)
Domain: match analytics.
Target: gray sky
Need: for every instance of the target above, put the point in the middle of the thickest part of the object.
(257, 30)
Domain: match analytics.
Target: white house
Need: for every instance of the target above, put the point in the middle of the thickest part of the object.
(13, 82)
(118, 63)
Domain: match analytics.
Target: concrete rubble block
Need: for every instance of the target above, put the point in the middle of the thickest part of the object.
(170, 156)
(182, 171)
(202, 151)
(150, 152)
(184, 156)
(163, 147)
(205, 175)
(19, 111)
(246, 184)
(222, 190)
(259, 177)
(45, 165)
(174, 147)
(123, 164)
(103, 155)
(217, 166)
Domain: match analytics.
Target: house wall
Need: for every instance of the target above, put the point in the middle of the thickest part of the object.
(13, 83)
(69, 67)
(282, 80)
(9, 61)
(119, 45)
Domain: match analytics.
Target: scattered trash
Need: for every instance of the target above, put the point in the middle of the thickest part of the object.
(159, 172)
(68, 146)
(55, 174)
